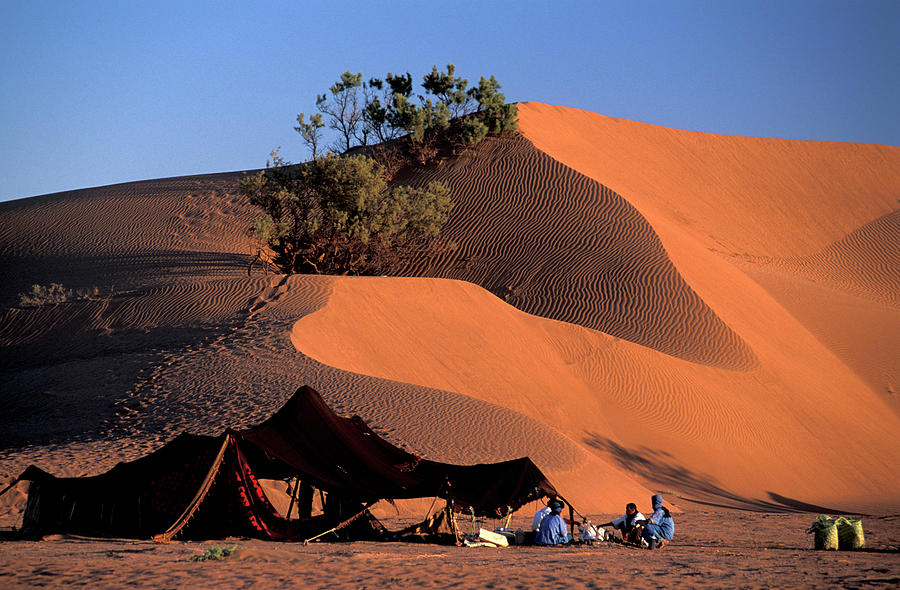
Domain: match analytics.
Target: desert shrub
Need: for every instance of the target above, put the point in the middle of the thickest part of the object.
(215, 553)
(450, 113)
(338, 215)
(55, 293)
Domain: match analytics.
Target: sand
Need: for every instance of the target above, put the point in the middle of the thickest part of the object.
(636, 308)
(769, 551)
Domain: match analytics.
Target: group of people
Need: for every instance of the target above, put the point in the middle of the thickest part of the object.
(550, 528)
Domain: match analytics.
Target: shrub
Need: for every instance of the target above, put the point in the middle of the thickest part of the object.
(338, 215)
(55, 293)
(449, 114)
(215, 553)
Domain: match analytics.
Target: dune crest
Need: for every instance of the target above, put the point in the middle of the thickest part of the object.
(765, 231)
(764, 197)
(555, 243)
(634, 307)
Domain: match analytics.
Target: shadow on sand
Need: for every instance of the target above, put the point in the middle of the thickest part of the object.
(660, 468)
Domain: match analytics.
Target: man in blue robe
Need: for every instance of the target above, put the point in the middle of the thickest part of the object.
(552, 529)
(660, 527)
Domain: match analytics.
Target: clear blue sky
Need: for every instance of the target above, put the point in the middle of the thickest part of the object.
(95, 93)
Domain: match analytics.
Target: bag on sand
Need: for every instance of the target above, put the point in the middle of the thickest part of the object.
(850, 534)
(825, 533)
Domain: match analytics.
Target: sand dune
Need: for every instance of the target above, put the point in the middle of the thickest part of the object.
(634, 307)
(557, 244)
(125, 236)
(764, 197)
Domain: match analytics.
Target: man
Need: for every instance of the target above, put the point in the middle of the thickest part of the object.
(552, 528)
(660, 527)
(627, 522)
(539, 516)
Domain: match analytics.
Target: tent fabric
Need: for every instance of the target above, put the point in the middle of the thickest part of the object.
(207, 487)
(132, 499)
(343, 454)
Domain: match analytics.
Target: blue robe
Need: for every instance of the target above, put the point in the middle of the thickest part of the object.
(552, 531)
(661, 524)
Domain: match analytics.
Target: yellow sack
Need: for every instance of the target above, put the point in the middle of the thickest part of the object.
(825, 533)
(850, 534)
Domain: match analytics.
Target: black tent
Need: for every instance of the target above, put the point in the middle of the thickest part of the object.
(208, 487)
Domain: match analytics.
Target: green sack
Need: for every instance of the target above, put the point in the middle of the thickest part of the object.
(825, 533)
(850, 534)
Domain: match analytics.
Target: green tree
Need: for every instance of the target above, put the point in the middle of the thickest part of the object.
(345, 108)
(310, 132)
(338, 215)
(449, 113)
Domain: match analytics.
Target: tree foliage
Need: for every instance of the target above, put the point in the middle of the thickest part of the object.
(338, 215)
(450, 113)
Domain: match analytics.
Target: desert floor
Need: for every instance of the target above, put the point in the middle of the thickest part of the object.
(714, 548)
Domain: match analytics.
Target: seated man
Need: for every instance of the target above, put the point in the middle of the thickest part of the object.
(627, 523)
(660, 527)
(539, 515)
(552, 529)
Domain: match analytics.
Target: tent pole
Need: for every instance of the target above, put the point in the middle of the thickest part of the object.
(198, 497)
(10, 486)
(453, 525)
(427, 514)
(342, 524)
(293, 497)
(572, 513)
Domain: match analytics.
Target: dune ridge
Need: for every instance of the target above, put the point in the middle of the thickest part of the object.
(608, 317)
(832, 205)
(227, 362)
(554, 243)
(126, 236)
(735, 194)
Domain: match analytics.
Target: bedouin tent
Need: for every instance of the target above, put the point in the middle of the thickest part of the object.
(208, 486)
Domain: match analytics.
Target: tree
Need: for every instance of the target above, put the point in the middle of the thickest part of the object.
(310, 132)
(337, 215)
(345, 111)
(449, 113)
(340, 214)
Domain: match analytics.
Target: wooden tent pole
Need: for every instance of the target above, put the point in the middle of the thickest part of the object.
(10, 486)
(572, 513)
(342, 524)
(293, 497)
(198, 497)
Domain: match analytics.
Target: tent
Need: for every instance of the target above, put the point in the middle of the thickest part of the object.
(208, 486)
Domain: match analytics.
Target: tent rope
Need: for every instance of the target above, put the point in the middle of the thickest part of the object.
(198, 497)
(342, 524)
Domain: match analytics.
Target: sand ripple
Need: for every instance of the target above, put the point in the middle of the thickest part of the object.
(557, 244)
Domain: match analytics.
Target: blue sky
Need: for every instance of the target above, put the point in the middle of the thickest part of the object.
(95, 93)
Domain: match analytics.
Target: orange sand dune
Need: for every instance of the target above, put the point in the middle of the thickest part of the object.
(744, 435)
(126, 236)
(818, 218)
(764, 197)
(634, 307)
(557, 244)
